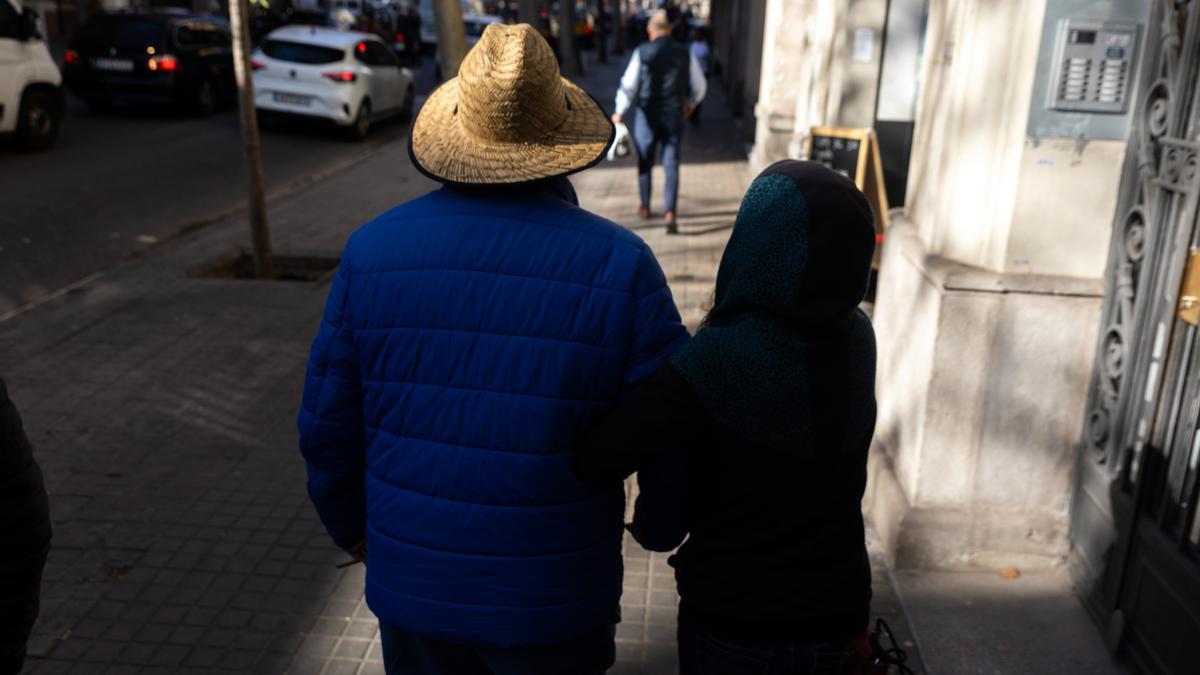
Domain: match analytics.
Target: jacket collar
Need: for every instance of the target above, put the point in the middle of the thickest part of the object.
(554, 188)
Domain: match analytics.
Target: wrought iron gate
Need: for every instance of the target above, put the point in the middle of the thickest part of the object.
(1134, 524)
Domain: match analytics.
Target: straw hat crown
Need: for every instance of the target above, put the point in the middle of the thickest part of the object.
(508, 117)
(509, 87)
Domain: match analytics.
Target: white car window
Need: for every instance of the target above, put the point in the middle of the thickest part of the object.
(299, 52)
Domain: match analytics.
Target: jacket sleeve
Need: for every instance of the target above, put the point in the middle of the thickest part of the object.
(651, 431)
(657, 331)
(660, 515)
(697, 81)
(24, 508)
(332, 437)
(627, 89)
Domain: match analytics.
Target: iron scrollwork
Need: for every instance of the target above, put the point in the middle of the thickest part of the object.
(1161, 163)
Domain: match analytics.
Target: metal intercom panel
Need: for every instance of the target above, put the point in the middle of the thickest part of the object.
(1093, 66)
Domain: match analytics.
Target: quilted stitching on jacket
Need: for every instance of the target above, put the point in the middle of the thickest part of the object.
(467, 340)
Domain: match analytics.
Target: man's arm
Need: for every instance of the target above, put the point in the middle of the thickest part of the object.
(658, 331)
(628, 87)
(331, 423)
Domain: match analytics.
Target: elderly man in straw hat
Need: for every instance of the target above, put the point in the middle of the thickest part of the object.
(469, 337)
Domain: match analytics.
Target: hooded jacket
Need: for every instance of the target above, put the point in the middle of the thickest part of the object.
(753, 440)
(470, 336)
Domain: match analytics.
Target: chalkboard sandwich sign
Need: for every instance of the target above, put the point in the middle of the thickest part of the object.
(854, 153)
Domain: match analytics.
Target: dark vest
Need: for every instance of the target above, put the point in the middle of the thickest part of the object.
(663, 81)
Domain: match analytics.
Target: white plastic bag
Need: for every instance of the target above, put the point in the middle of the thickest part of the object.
(622, 144)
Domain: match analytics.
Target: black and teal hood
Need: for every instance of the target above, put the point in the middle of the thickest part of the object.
(782, 357)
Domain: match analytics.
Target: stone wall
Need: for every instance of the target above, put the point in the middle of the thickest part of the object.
(982, 387)
(988, 306)
(811, 75)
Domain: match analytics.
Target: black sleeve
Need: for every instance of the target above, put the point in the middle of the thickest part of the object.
(656, 417)
(651, 431)
(660, 516)
(24, 511)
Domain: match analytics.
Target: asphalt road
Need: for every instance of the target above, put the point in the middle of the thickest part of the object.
(120, 182)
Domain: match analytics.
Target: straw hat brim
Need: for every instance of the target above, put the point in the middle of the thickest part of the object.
(443, 150)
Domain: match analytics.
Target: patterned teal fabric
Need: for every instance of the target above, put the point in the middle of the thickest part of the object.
(784, 329)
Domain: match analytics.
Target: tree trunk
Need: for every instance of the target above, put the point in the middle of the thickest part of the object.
(571, 62)
(260, 234)
(452, 36)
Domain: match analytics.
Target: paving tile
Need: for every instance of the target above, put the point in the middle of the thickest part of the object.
(349, 648)
(342, 667)
(304, 664)
(205, 657)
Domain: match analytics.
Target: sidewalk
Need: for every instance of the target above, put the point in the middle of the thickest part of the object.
(162, 409)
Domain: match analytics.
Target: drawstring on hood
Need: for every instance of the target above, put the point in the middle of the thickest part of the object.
(775, 361)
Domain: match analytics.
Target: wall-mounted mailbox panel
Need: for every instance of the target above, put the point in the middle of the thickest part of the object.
(1093, 66)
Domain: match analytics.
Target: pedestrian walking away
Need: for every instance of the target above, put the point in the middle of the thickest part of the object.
(469, 338)
(661, 86)
(25, 531)
(752, 440)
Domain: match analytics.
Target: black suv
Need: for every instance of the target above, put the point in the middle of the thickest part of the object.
(157, 57)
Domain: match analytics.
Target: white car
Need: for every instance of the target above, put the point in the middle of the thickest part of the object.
(31, 96)
(348, 77)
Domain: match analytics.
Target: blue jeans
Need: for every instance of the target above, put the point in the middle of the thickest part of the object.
(407, 654)
(648, 139)
(701, 654)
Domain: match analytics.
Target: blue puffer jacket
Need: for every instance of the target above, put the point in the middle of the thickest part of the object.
(469, 337)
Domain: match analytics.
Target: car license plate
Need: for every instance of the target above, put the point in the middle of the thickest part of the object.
(118, 65)
(296, 99)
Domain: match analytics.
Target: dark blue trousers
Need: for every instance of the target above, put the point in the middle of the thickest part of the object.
(649, 138)
(407, 654)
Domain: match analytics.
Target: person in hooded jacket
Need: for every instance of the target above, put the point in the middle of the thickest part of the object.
(25, 531)
(752, 439)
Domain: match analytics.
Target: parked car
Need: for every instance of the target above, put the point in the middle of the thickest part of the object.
(152, 57)
(407, 38)
(348, 77)
(31, 99)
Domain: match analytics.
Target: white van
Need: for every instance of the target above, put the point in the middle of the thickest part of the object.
(31, 98)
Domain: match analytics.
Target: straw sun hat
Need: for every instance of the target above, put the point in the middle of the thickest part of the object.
(508, 117)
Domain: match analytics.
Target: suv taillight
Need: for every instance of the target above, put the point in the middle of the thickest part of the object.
(164, 62)
(341, 75)
(400, 38)
(255, 64)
